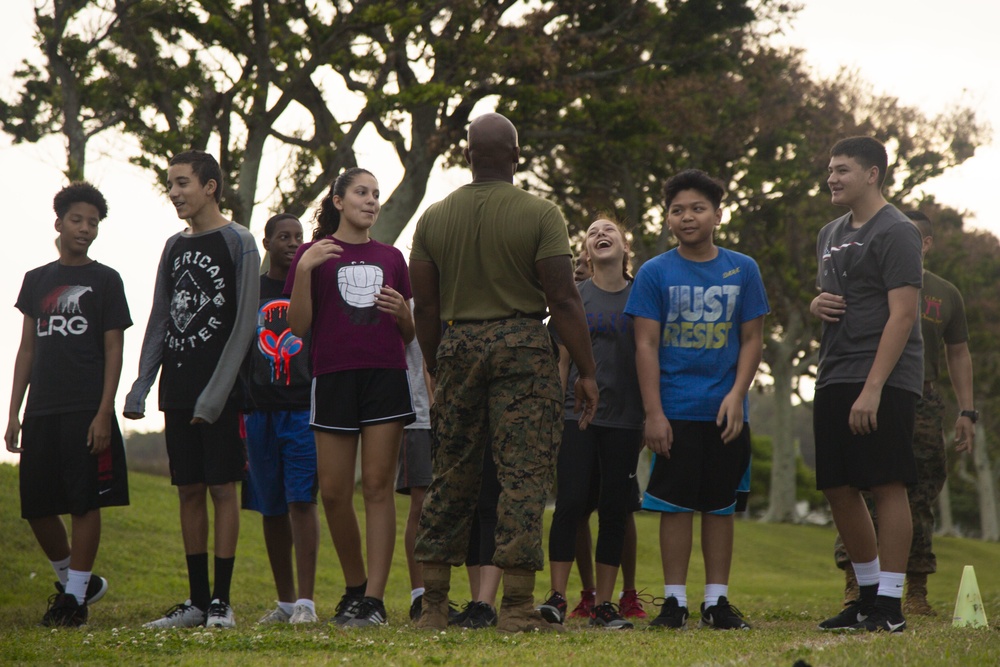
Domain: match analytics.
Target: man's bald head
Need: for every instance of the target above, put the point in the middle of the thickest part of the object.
(492, 151)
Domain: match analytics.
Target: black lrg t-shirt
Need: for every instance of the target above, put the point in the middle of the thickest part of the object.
(73, 307)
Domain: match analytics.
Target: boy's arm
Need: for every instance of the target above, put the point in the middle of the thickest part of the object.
(99, 433)
(22, 375)
(902, 314)
(747, 363)
(657, 434)
(213, 397)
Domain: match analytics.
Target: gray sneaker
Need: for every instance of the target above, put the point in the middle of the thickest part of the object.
(303, 614)
(274, 617)
(347, 608)
(220, 615)
(371, 612)
(184, 615)
(607, 616)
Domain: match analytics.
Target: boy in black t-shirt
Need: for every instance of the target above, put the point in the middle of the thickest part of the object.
(72, 454)
(200, 325)
(281, 481)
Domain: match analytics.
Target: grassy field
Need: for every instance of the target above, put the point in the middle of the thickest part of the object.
(783, 580)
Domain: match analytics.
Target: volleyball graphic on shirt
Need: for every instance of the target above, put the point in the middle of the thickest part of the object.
(359, 283)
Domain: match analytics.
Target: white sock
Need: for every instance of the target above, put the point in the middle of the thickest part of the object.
(890, 584)
(867, 574)
(76, 585)
(287, 607)
(61, 568)
(713, 592)
(305, 602)
(679, 592)
(415, 593)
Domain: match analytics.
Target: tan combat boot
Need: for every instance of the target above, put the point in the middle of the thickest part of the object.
(437, 583)
(916, 596)
(852, 592)
(517, 607)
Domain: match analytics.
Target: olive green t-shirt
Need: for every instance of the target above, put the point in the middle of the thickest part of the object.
(942, 319)
(484, 239)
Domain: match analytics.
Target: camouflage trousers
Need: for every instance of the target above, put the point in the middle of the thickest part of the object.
(932, 469)
(497, 386)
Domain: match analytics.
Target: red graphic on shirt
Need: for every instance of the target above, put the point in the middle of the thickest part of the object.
(278, 347)
(64, 299)
(932, 309)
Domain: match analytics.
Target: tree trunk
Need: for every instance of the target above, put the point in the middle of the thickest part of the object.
(946, 522)
(781, 502)
(988, 516)
(779, 354)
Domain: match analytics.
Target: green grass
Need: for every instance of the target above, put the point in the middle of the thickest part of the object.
(783, 580)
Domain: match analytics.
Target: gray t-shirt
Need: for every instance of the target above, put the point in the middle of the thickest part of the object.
(862, 265)
(613, 339)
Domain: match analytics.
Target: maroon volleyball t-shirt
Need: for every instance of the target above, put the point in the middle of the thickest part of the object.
(348, 331)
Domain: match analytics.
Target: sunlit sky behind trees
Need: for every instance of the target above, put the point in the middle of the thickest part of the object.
(930, 55)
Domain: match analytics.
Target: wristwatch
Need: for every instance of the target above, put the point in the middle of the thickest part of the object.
(973, 415)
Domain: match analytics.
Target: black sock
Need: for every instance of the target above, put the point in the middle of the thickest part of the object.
(886, 603)
(359, 590)
(198, 580)
(868, 595)
(223, 578)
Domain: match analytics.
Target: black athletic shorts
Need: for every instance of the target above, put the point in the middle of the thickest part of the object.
(703, 474)
(344, 401)
(205, 453)
(59, 475)
(863, 461)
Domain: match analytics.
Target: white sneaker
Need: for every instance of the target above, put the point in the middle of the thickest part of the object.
(303, 614)
(220, 615)
(184, 615)
(274, 617)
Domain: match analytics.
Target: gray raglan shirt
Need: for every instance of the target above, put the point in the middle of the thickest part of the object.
(202, 321)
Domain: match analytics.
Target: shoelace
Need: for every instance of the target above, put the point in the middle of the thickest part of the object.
(177, 610)
(347, 603)
(727, 607)
(643, 596)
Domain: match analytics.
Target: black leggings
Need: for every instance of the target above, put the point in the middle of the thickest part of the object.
(615, 452)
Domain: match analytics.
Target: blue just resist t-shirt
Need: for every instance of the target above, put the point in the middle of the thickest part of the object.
(700, 307)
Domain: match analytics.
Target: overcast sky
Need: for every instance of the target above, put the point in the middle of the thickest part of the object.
(930, 55)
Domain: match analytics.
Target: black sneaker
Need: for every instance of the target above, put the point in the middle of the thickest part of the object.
(608, 616)
(672, 615)
(64, 612)
(554, 609)
(416, 608)
(853, 613)
(96, 588)
(722, 616)
(475, 616)
(881, 620)
(346, 609)
(369, 612)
